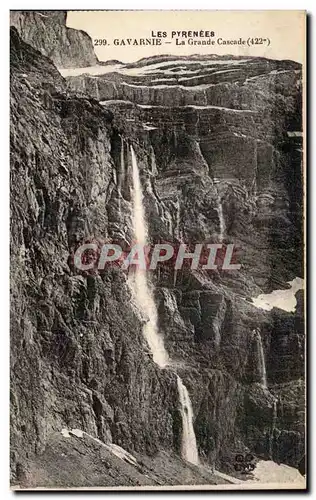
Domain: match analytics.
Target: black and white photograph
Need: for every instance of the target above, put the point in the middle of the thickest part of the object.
(157, 250)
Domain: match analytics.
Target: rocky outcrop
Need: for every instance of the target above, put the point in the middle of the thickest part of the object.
(46, 31)
(218, 162)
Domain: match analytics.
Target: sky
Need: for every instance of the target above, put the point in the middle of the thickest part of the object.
(284, 32)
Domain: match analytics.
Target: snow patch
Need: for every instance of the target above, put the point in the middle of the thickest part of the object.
(117, 450)
(77, 432)
(146, 70)
(149, 106)
(122, 454)
(282, 299)
(231, 479)
(149, 127)
(267, 471)
(111, 101)
(295, 133)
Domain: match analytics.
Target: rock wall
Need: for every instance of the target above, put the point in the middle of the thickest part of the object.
(46, 31)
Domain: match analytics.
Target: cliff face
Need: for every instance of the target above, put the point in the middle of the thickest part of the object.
(224, 122)
(217, 142)
(46, 31)
(78, 355)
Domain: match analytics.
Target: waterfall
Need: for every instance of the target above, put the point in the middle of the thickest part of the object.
(115, 177)
(177, 231)
(142, 291)
(222, 226)
(189, 448)
(275, 412)
(175, 275)
(144, 300)
(273, 425)
(154, 170)
(261, 360)
(97, 91)
(119, 176)
(122, 169)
